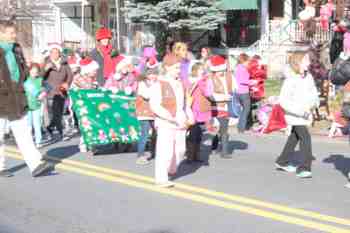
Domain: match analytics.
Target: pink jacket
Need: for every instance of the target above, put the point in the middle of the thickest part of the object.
(205, 88)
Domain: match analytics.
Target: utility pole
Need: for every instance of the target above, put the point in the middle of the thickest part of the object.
(117, 10)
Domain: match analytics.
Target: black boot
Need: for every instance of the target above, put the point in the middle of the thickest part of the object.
(189, 152)
(196, 152)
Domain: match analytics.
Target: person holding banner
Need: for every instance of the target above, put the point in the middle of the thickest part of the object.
(172, 119)
(87, 79)
(144, 113)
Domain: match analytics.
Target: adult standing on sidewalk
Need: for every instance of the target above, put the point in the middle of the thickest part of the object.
(13, 104)
(242, 80)
(104, 55)
(298, 97)
(59, 77)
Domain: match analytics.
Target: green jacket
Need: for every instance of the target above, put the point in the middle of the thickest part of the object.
(33, 88)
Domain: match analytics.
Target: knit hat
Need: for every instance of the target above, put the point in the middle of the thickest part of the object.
(217, 63)
(103, 33)
(88, 65)
(73, 62)
(346, 41)
(55, 45)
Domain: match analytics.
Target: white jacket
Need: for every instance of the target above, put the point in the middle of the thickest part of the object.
(298, 97)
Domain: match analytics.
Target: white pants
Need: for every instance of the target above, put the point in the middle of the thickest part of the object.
(24, 140)
(170, 149)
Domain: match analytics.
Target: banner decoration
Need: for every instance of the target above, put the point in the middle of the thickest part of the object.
(104, 117)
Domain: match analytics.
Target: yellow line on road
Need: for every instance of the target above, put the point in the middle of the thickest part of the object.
(236, 198)
(202, 199)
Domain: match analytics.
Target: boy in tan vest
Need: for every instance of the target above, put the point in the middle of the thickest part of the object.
(172, 118)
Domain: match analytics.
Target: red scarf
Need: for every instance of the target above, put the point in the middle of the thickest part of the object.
(108, 63)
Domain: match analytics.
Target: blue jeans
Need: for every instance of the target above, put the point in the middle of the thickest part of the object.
(34, 120)
(145, 126)
(244, 100)
(234, 107)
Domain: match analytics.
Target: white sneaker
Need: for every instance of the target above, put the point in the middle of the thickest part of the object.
(233, 121)
(167, 184)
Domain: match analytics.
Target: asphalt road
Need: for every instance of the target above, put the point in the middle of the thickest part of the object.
(109, 193)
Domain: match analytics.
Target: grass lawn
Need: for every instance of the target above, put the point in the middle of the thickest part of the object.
(273, 87)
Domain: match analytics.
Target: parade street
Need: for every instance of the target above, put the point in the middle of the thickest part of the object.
(109, 193)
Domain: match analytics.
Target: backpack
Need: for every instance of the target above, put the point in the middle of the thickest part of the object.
(340, 73)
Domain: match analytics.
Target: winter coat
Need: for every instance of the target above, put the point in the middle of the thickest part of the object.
(336, 45)
(97, 56)
(298, 96)
(13, 103)
(55, 77)
(103, 71)
(33, 88)
(258, 73)
(340, 73)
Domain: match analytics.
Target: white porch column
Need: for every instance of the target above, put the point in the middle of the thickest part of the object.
(288, 10)
(58, 24)
(265, 17)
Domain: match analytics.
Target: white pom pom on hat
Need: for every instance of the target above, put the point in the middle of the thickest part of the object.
(88, 65)
(54, 45)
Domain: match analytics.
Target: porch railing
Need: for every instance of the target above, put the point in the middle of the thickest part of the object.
(289, 33)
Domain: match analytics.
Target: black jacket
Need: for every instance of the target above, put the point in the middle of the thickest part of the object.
(97, 56)
(13, 102)
(340, 73)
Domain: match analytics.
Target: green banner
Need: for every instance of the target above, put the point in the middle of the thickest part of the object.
(104, 117)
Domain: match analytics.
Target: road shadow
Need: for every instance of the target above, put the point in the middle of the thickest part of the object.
(340, 162)
(63, 152)
(18, 167)
(186, 168)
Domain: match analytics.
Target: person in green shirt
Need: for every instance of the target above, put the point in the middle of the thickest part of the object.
(34, 90)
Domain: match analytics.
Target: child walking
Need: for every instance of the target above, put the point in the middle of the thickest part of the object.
(297, 98)
(145, 114)
(172, 120)
(35, 93)
(201, 89)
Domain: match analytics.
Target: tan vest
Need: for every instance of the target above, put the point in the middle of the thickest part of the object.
(220, 89)
(143, 108)
(168, 98)
(204, 102)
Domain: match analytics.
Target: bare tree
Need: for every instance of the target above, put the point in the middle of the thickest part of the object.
(10, 9)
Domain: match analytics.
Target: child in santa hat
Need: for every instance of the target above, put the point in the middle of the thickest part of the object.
(222, 84)
(124, 77)
(86, 80)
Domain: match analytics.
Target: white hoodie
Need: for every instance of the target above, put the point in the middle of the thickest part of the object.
(298, 96)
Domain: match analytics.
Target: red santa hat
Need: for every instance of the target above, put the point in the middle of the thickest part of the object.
(73, 62)
(103, 33)
(217, 63)
(54, 45)
(88, 65)
(152, 63)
